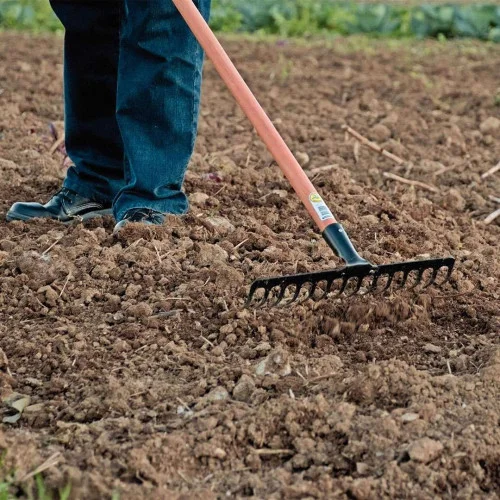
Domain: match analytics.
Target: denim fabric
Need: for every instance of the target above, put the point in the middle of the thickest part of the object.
(132, 78)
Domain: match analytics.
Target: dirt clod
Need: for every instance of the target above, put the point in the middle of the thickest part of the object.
(425, 450)
(491, 125)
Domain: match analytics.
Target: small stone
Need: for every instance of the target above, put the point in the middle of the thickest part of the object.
(3, 257)
(4, 362)
(141, 310)
(209, 450)
(490, 126)
(362, 469)
(303, 158)
(121, 346)
(431, 348)
(275, 364)
(217, 394)
(231, 339)
(33, 382)
(380, 133)
(133, 291)
(454, 200)
(361, 489)
(220, 224)
(425, 450)
(370, 219)
(51, 296)
(304, 445)
(34, 408)
(280, 193)
(409, 417)
(263, 347)
(198, 198)
(218, 351)
(300, 461)
(244, 389)
(24, 66)
(208, 254)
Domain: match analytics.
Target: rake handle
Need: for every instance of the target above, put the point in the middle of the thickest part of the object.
(262, 123)
(332, 231)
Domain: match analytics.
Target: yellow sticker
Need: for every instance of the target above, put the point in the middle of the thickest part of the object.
(320, 207)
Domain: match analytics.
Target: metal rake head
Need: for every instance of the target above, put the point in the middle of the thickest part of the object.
(348, 281)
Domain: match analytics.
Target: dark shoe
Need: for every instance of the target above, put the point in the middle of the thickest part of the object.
(142, 216)
(65, 206)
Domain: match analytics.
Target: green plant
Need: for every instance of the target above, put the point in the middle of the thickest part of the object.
(42, 492)
(28, 14)
(225, 17)
(299, 18)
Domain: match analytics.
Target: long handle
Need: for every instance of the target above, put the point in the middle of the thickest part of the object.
(313, 202)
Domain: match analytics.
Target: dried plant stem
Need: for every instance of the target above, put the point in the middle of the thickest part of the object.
(65, 284)
(50, 462)
(372, 145)
(318, 170)
(496, 199)
(491, 171)
(57, 144)
(410, 182)
(492, 216)
(52, 246)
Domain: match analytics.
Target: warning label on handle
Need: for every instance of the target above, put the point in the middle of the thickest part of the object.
(320, 207)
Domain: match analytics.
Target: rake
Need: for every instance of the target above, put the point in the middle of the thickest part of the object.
(358, 275)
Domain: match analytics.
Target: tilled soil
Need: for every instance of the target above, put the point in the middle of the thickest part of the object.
(144, 371)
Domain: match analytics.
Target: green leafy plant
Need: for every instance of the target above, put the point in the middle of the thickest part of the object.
(34, 15)
(290, 18)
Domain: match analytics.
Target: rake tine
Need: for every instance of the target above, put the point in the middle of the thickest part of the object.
(373, 290)
(358, 287)
(419, 279)
(295, 295)
(433, 277)
(344, 285)
(374, 283)
(308, 295)
(404, 280)
(283, 289)
(314, 284)
(389, 282)
(264, 299)
(360, 283)
(448, 275)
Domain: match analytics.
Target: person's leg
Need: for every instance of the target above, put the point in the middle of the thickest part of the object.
(159, 79)
(93, 140)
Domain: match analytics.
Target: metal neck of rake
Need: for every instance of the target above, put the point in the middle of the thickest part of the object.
(339, 242)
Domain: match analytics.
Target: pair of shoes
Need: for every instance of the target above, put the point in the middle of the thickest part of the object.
(67, 206)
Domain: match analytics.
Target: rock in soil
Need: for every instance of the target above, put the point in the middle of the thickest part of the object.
(425, 450)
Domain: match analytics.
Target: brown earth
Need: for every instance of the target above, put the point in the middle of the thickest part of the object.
(148, 377)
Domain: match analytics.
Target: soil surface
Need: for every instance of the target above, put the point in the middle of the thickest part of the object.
(147, 378)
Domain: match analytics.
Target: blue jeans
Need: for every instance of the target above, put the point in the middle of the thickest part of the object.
(132, 77)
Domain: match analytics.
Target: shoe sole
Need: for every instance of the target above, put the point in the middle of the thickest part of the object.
(80, 218)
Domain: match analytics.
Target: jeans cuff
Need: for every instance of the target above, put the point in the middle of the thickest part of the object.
(177, 204)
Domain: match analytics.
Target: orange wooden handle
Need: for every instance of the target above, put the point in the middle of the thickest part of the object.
(264, 126)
